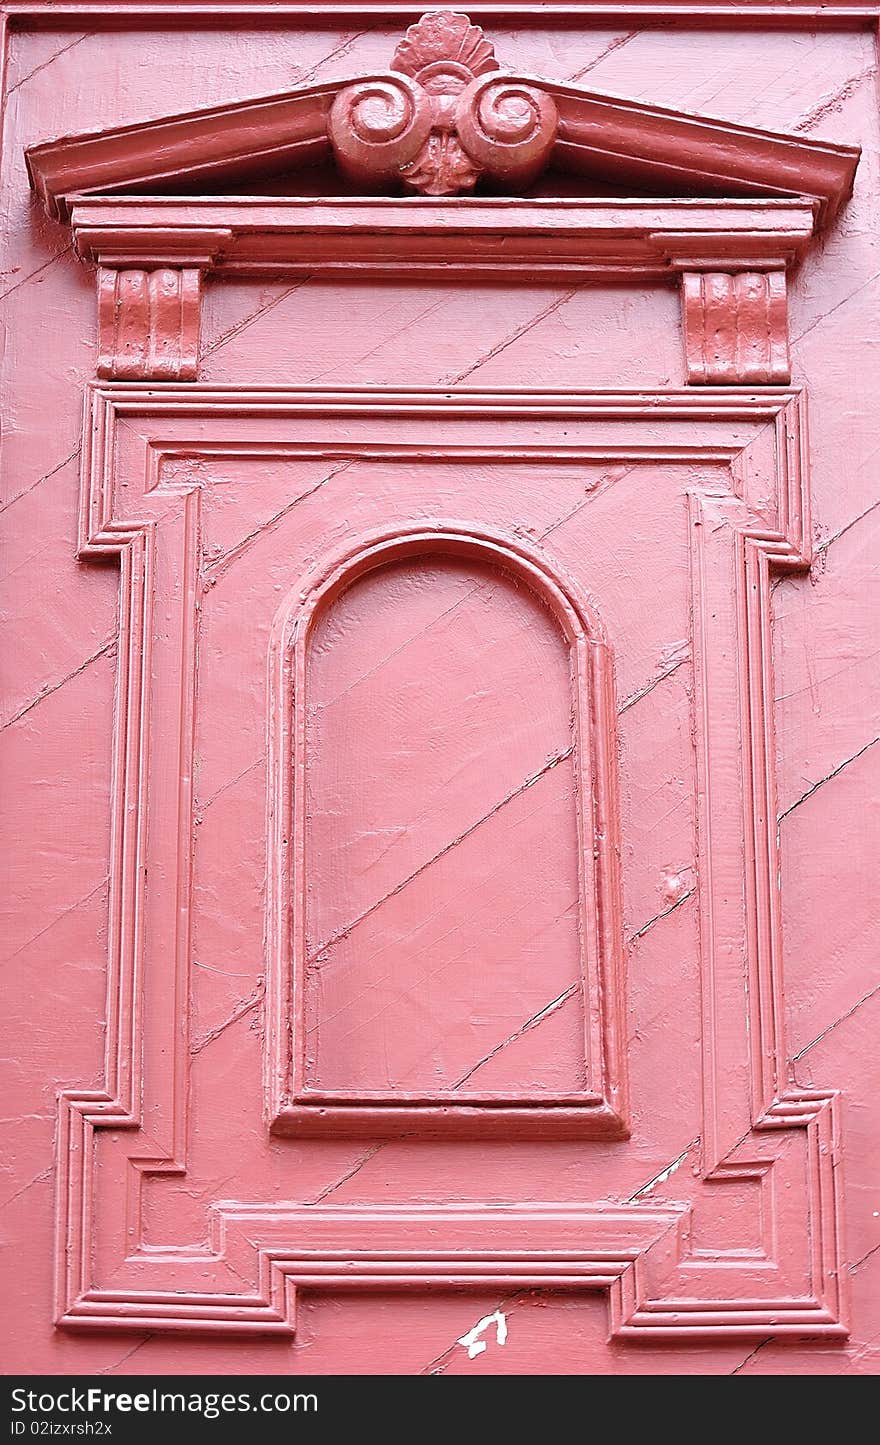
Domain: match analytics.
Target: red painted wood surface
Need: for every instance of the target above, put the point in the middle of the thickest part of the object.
(447, 937)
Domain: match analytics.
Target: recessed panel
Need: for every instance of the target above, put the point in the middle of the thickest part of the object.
(441, 837)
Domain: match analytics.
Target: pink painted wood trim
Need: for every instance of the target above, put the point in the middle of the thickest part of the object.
(607, 135)
(438, 138)
(778, 1133)
(728, 253)
(238, 140)
(458, 238)
(784, 13)
(163, 241)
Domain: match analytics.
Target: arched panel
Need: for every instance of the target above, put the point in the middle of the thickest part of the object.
(441, 844)
(445, 862)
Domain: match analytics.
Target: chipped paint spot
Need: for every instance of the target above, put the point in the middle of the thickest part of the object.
(664, 1174)
(473, 1341)
(675, 883)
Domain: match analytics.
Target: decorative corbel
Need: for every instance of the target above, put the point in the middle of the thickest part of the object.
(736, 327)
(734, 303)
(149, 298)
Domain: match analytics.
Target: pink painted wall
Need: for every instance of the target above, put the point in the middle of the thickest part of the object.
(59, 669)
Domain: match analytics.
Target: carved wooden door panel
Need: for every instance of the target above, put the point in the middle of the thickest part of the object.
(423, 843)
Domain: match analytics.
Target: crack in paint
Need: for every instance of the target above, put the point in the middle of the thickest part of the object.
(825, 314)
(33, 274)
(37, 1179)
(610, 478)
(399, 887)
(831, 102)
(425, 979)
(57, 919)
(666, 1173)
(215, 570)
(247, 1006)
(857, 1264)
(515, 336)
(127, 1356)
(843, 1017)
(395, 652)
(814, 787)
(224, 972)
(826, 543)
(752, 1354)
(46, 63)
(663, 672)
(355, 1169)
(44, 478)
(249, 321)
(48, 689)
(616, 44)
(308, 75)
(249, 1284)
(386, 338)
(828, 677)
(664, 913)
(531, 1023)
(224, 787)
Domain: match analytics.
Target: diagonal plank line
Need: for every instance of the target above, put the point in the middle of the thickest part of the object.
(454, 842)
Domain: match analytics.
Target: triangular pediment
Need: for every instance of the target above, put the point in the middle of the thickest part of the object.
(446, 120)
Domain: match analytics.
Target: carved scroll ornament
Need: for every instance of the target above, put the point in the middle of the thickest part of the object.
(444, 117)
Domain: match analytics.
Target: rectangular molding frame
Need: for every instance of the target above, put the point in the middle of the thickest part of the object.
(659, 1286)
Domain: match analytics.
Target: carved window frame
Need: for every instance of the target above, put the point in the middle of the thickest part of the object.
(765, 197)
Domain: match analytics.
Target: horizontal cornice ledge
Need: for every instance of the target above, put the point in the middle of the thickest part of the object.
(456, 237)
(149, 246)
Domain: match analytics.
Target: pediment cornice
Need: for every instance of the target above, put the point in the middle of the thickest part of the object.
(446, 166)
(443, 116)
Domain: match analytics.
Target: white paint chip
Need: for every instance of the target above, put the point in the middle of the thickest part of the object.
(473, 1342)
(665, 1174)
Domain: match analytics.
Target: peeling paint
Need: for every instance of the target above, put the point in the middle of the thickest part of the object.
(664, 1174)
(473, 1341)
(675, 884)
